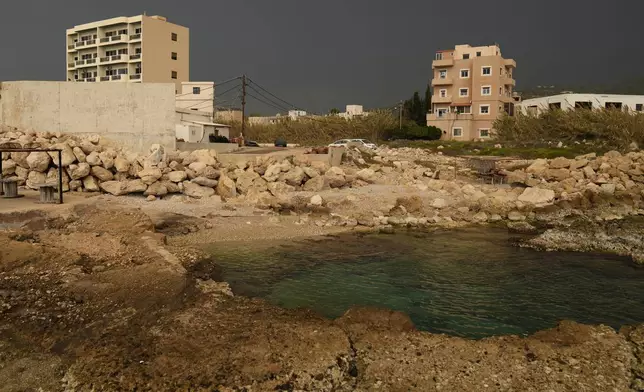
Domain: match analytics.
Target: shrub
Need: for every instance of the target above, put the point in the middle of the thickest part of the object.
(413, 131)
(218, 139)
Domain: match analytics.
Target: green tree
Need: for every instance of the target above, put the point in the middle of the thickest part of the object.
(428, 101)
(334, 111)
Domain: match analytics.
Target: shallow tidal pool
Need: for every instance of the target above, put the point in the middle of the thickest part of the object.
(471, 282)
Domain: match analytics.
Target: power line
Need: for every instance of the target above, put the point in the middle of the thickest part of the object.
(267, 103)
(273, 95)
(268, 99)
(227, 91)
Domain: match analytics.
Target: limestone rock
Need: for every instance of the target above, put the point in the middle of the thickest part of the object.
(21, 159)
(79, 154)
(198, 167)
(150, 175)
(9, 167)
(52, 178)
(115, 188)
(279, 188)
(94, 159)
(34, 178)
(295, 176)
(272, 172)
(578, 163)
(77, 172)
(366, 175)
(156, 189)
(556, 174)
(316, 200)
(310, 171)
(21, 172)
(122, 165)
(107, 159)
(101, 173)
(210, 172)
(246, 180)
(608, 189)
(75, 185)
(157, 156)
(439, 203)
(203, 181)
(537, 196)
(480, 217)
(538, 167)
(67, 155)
(90, 184)
(207, 157)
(177, 176)
(135, 186)
(516, 216)
(197, 191)
(38, 161)
(89, 147)
(226, 187)
(560, 163)
(316, 184)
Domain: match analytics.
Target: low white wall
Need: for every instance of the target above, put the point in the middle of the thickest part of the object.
(135, 115)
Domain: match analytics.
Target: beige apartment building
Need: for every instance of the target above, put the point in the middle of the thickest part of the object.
(471, 87)
(129, 49)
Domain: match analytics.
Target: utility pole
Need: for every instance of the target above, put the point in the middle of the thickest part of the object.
(243, 102)
(400, 108)
(214, 107)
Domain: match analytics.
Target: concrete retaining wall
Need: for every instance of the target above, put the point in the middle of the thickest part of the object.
(219, 147)
(135, 115)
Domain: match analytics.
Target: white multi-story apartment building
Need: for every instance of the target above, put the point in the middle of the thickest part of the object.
(129, 49)
(633, 103)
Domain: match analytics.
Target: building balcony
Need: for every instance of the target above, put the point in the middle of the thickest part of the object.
(71, 65)
(115, 39)
(508, 81)
(442, 82)
(446, 99)
(135, 76)
(510, 63)
(119, 58)
(80, 63)
(449, 116)
(90, 79)
(71, 48)
(105, 78)
(135, 57)
(442, 63)
(135, 37)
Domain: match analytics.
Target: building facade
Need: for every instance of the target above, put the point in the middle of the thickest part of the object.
(471, 86)
(129, 49)
(633, 103)
(196, 96)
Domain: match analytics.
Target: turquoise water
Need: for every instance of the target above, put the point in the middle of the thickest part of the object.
(470, 283)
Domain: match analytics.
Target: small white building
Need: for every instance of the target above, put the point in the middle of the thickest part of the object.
(196, 127)
(294, 114)
(353, 111)
(633, 103)
(196, 96)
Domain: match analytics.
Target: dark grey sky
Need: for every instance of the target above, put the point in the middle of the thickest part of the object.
(320, 54)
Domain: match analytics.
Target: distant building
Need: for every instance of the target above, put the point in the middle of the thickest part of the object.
(634, 103)
(294, 114)
(228, 115)
(196, 127)
(472, 86)
(353, 111)
(129, 49)
(196, 96)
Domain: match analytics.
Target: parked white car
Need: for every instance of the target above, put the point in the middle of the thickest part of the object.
(345, 142)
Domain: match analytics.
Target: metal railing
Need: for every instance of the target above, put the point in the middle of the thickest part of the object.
(105, 78)
(106, 39)
(135, 77)
(90, 42)
(135, 36)
(105, 59)
(71, 46)
(116, 77)
(90, 61)
(90, 79)
(115, 58)
(116, 38)
(80, 43)
(80, 62)
(71, 65)
(135, 56)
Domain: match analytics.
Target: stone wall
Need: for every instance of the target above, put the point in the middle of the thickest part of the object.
(131, 114)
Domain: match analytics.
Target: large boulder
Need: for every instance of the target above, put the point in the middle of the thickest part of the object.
(101, 173)
(538, 167)
(76, 172)
(537, 196)
(90, 184)
(67, 154)
(210, 172)
(94, 159)
(203, 181)
(135, 186)
(115, 188)
(205, 156)
(226, 187)
(21, 159)
(79, 154)
(198, 167)
(89, 147)
(21, 172)
(366, 175)
(107, 158)
(279, 188)
(173, 187)
(52, 178)
(34, 178)
(311, 171)
(196, 190)
(156, 189)
(316, 184)
(122, 165)
(245, 180)
(294, 177)
(38, 161)
(335, 177)
(272, 172)
(9, 167)
(157, 155)
(556, 174)
(177, 176)
(150, 175)
(560, 163)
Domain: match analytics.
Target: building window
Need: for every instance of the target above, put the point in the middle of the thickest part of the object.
(466, 56)
(484, 132)
(174, 36)
(196, 90)
(439, 56)
(457, 132)
(486, 90)
(463, 109)
(484, 109)
(463, 92)
(614, 105)
(442, 74)
(441, 112)
(123, 32)
(137, 51)
(174, 55)
(638, 107)
(478, 54)
(137, 31)
(532, 110)
(486, 71)
(110, 53)
(583, 105)
(465, 73)
(122, 51)
(122, 71)
(174, 74)
(443, 93)
(555, 106)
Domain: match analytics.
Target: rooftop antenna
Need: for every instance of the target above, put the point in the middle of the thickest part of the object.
(145, 13)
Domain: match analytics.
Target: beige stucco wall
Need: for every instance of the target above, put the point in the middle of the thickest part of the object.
(132, 114)
(157, 48)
